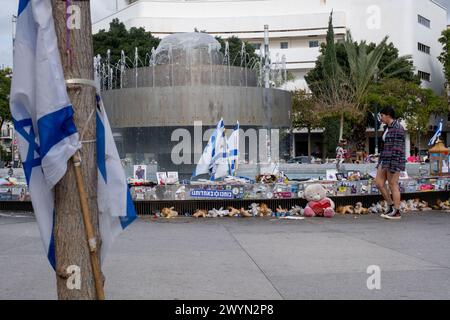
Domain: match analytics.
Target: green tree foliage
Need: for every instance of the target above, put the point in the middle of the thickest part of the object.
(411, 102)
(344, 72)
(118, 38)
(5, 88)
(391, 64)
(330, 124)
(304, 111)
(235, 45)
(444, 58)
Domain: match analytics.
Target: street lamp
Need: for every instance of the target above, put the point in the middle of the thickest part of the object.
(376, 118)
(376, 128)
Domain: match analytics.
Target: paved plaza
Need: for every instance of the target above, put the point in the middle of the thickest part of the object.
(256, 258)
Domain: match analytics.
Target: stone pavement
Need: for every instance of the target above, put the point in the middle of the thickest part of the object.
(236, 258)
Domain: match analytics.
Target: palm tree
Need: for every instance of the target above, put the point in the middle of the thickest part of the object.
(364, 67)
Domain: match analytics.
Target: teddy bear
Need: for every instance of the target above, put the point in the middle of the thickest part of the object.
(254, 209)
(232, 212)
(169, 213)
(264, 210)
(245, 213)
(359, 209)
(296, 211)
(345, 210)
(318, 203)
(200, 213)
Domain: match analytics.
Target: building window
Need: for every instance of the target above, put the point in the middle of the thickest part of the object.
(284, 45)
(424, 48)
(314, 44)
(256, 46)
(424, 21)
(424, 76)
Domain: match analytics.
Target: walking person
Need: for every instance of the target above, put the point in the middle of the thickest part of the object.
(391, 162)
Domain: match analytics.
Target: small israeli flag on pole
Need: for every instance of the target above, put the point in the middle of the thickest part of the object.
(437, 134)
(212, 152)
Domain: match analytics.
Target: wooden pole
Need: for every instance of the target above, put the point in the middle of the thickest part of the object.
(76, 212)
(90, 234)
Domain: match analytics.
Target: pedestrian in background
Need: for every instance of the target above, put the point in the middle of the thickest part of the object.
(340, 154)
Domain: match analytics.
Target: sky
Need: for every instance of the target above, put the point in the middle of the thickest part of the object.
(99, 9)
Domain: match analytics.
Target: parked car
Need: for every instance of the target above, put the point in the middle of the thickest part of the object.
(300, 160)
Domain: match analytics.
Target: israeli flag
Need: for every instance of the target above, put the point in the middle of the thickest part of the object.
(227, 164)
(233, 150)
(43, 119)
(115, 205)
(437, 134)
(212, 152)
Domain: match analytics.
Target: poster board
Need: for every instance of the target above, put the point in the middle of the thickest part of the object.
(140, 172)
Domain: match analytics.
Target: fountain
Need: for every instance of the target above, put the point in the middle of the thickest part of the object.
(187, 79)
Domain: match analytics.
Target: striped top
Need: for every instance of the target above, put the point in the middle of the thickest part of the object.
(393, 155)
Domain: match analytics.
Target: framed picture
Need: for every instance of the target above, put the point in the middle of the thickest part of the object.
(404, 175)
(140, 172)
(339, 176)
(172, 177)
(331, 174)
(161, 177)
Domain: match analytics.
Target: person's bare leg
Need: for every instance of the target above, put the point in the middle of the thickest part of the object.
(380, 182)
(393, 186)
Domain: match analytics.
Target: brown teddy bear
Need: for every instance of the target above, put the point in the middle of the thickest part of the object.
(200, 213)
(264, 210)
(169, 213)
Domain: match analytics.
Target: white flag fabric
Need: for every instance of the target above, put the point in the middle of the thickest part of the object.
(212, 152)
(437, 134)
(43, 119)
(227, 164)
(115, 205)
(233, 150)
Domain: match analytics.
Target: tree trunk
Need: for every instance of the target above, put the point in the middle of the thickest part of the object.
(341, 127)
(71, 246)
(309, 144)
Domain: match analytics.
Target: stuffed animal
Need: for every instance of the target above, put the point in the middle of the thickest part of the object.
(281, 212)
(245, 213)
(423, 206)
(214, 213)
(359, 209)
(345, 210)
(373, 209)
(200, 213)
(403, 206)
(442, 205)
(384, 206)
(318, 203)
(232, 212)
(254, 209)
(296, 211)
(264, 210)
(169, 213)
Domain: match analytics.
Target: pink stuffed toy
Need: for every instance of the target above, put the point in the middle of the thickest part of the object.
(318, 203)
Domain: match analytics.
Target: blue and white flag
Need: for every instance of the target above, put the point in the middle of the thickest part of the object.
(115, 205)
(233, 150)
(43, 119)
(437, 134)
(227, 164)
(212, 152)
